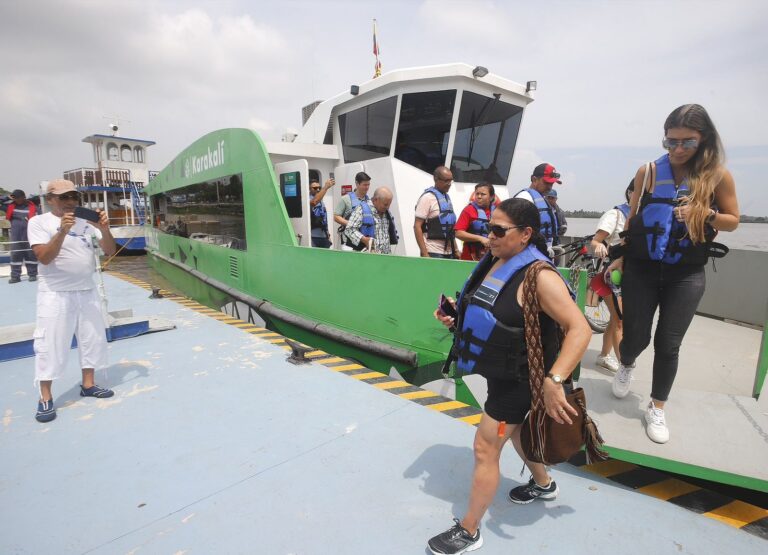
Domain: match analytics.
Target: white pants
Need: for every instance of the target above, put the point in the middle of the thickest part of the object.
(60, 315)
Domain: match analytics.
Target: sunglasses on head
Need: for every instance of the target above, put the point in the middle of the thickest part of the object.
(69, 196)
(501, 230)
(687, 144)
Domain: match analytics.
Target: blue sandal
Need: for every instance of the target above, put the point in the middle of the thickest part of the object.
(96, 391)
(45, 411)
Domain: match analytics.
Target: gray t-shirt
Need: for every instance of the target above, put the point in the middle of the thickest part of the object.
(344, 207)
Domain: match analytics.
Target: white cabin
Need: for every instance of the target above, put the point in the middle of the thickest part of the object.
(398, 128)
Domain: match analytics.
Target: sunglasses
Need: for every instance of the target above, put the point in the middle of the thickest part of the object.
(501, 230)
(553, 175)
(687, 144)
(69, 196)
(315, 188)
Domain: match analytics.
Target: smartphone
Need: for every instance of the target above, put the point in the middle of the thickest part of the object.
(331, 175)
(86, 214)
(447, 308)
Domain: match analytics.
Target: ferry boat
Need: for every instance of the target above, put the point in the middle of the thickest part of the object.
(230, 226)
(233, 211)
(116, 185)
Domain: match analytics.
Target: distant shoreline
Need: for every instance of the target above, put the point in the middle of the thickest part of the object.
(596, 215)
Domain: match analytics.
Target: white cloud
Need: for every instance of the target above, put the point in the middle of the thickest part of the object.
(260, 125)
(608, 72)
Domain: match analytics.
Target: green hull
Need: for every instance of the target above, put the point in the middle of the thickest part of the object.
(386, 299)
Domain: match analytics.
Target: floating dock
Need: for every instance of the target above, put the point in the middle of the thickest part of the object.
(214, 443)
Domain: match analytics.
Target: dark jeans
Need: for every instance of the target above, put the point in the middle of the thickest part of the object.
(438, 255)
(21, 253)
(676, 290)
(321, 242)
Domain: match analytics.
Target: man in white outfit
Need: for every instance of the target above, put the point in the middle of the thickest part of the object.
(67, 302)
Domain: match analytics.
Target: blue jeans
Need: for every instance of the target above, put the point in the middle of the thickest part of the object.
(675, 289)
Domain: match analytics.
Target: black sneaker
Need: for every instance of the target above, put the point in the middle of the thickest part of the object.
(522, 495)
(455, 540)
(32, 278)
(14, 280)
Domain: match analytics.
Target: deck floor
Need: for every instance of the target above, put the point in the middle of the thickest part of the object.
(713, 419)
(214, 444)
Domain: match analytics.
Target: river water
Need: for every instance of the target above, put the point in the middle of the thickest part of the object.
(746, 236)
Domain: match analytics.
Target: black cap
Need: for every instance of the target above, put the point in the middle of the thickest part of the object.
(18, 193)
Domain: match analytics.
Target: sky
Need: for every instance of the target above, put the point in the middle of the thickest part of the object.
(608, 73)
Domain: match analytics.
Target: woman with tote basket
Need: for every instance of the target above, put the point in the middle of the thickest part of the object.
(490, 341)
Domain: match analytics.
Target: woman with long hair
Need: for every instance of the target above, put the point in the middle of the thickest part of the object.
(679, 204)
(610, 225)
(490, 342)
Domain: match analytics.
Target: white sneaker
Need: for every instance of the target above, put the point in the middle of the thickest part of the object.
(621, 380)
(608, 362)
(656, 425)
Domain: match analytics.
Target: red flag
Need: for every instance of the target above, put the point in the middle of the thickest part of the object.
(375, 41)
(377, 67)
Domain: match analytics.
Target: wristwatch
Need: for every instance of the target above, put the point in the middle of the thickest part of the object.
(556, 378)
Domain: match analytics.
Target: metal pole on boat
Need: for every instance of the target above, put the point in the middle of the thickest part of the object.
(102, 291)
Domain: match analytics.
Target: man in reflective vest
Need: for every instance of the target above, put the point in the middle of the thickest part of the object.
(18, 214)
(435, 218)
(543, 178)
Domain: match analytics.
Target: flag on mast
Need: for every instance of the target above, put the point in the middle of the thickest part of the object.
(377, 71)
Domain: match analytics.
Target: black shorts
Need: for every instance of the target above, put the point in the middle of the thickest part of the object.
(508, 401)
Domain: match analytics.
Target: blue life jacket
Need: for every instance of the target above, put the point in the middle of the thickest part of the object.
(319, 217)
(441, 226)
(479, 225)
(655, 234)
(483, 344)
(368, 227)
(623, 208)
(547, 216)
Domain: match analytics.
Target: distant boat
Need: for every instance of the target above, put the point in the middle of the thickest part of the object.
(116, 185)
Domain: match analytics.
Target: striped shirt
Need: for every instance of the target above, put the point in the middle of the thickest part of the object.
(381, 235)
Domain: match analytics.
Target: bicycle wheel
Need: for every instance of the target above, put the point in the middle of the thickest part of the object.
(598, 316)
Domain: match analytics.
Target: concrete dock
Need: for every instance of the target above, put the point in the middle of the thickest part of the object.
(213, 443)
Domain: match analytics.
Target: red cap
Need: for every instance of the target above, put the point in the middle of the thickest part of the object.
(548, 172)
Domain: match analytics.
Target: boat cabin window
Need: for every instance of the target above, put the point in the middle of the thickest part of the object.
(126, 155)
(112, 152)
(366, 133)
(485, 139)
(211, 212)
(138, 154)
(424, 128)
